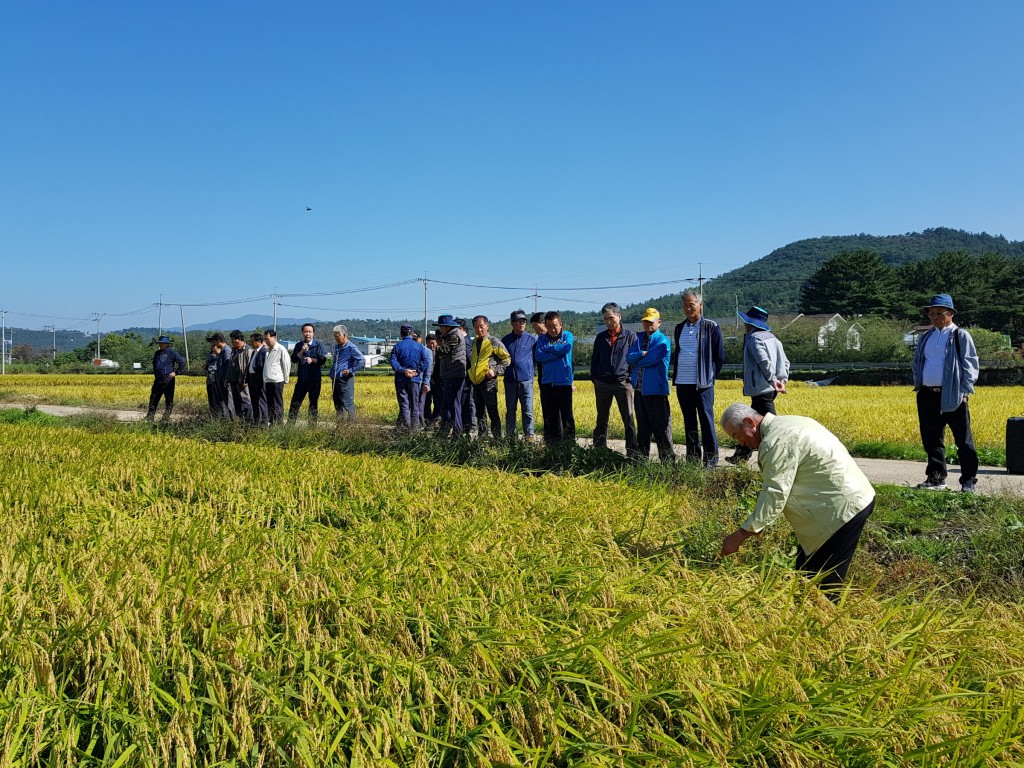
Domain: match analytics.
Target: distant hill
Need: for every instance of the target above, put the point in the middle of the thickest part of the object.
(248, 322)
(42, 341)
(774, 281)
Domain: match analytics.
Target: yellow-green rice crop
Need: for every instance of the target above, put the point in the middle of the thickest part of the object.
(166, 601)
(854, 413)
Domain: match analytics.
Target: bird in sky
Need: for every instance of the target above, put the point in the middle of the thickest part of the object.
(308, 208)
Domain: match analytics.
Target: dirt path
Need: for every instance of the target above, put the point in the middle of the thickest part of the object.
(991, 480)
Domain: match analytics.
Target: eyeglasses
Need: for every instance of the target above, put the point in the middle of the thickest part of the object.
(937, 312)
(519, 320)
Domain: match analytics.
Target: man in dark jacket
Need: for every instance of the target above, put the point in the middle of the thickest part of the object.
(257, 394)
(216, 367)
(309, 357)
(238, 376)
(167, 364)
(610, 374)
(450, 362)
(698, 353)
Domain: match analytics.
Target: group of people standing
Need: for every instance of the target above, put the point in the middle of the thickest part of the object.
(247, 380)
(450, 379)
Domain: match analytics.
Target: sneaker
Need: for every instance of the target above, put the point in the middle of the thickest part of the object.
(932, 485)
(969, 486)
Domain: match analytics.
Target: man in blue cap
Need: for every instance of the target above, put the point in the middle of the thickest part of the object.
(167, 364)
(945, 372)
(765, 369)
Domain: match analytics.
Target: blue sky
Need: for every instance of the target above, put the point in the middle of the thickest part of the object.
(173, 149)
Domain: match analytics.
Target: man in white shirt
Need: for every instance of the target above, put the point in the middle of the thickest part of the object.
(276, 371)
(810, 477)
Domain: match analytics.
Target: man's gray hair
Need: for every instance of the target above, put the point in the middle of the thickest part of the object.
(612, 307)
(342, 329)
(691, 292)
(734, 415)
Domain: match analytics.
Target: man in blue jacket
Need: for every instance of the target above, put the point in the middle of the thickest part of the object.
(347, 361)
(648, 358)
(521, 346)
(409, 362)
(167, 364)
(698, 356)
(309, 357)
(945, 372)
(554, 353)
(610, 374)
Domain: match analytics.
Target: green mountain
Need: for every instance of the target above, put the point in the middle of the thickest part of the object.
(774, 281)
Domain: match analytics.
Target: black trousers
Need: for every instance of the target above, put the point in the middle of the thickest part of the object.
(274, 391)
(485, 398)
(258, 401)
(621, 392)
(556, 407)
(219, 399)
(162, 387)
(933, 425)
(833, 558)
(762, 404)
(654, 419)
(304, 388)
(698, 407)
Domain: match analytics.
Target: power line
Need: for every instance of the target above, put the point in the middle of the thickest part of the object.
(561, 287)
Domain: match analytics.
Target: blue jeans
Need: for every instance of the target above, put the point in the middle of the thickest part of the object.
(518, 393)
(343, 393)
(698, 407)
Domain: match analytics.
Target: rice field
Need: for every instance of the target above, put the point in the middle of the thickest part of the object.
(175, 601)
(855, 414)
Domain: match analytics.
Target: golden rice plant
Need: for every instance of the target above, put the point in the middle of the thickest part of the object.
(167, 601)
(887, 414)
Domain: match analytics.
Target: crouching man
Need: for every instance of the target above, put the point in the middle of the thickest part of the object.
(810, 477)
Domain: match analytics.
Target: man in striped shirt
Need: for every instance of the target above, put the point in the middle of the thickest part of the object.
(697, 359)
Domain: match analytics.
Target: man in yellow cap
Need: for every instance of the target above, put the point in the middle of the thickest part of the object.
(649, 358)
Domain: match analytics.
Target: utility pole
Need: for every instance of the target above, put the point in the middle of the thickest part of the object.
(536, 296)
(96, 317)
(699, 280)
(3, 341)
(160, 317)
(425, 315)
(53, 330)
(184, 335)
(275, 298)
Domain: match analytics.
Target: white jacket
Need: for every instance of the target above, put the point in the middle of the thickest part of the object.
(278, 366)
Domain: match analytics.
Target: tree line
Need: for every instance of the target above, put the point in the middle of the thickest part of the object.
(988, 290)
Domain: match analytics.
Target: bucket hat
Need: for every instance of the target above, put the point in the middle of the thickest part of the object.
(446, 321)
(943, 300)
(756, 317)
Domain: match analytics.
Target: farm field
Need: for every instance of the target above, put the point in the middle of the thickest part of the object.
(860, 416)
(177, 599)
